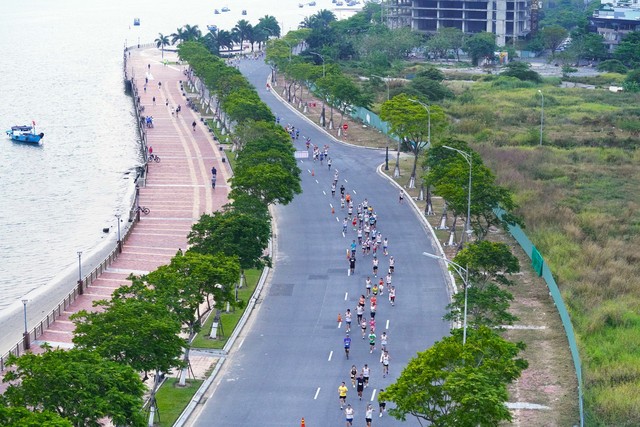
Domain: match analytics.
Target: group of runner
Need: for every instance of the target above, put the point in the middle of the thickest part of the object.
(362, 220)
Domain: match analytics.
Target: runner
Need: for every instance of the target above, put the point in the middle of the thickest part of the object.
(348, 415)
(341, 185)
(372, 339)
(360, 385)
(344, 227)
(359, 313)
(372, 324)
(372, 310)
(368, 414)
(342, 394)
(347, 320)
(353, 248)
(388, 279)
(347, 345)
(333, 190)
(367, 284)
(352, 264)
(385, 364)
(359, 236)
(329, 164)
(375, 266)
(353, 373)
(385, 246)
(363, 327)
(365, 375)
(401, 196)
(381, 404)
(392, 295)
(392, 265)
(383, 342)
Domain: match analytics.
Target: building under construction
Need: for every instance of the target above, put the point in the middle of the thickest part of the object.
(507, 19)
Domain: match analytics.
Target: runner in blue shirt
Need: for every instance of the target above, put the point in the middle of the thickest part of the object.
(347, 345)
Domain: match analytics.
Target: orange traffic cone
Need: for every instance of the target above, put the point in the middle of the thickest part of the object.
(333, 210)
(339, 318)
(313, 172)
(302, 424)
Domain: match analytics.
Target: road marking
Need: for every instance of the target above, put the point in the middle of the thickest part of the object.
(324, 192)
(309, 170)
(339, 325)
(317, 393)
(330, 356)
(354, 192)
(387, 327)
(240, 345)
(338, 219)
(330, 205)
(317, 182)
(346, 180)
(373, 394)
(346, 295)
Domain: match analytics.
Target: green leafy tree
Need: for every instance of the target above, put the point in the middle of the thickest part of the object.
(425, 87)
(78, 385)
(522, 71)
(553, 36)
(612, 66)
(456, 385)
(243, 30)
(270, 24)
(632, 81)
(489, 265)
(271, 183)
(161, 42)
(23, 417)
(480, 45)
(628, 51)
(588, 46)
(409, 121)
(445, 40)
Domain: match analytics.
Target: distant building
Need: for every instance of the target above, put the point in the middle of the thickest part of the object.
(613, 22)
(507, 19)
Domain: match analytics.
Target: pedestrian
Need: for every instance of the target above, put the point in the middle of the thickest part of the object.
(401, 196)
(347, 320)
(388, 279)
(194, 125)
(353, 374)
(341, 185)
(166, 103)
(365, 375)
(385, 246)
(392, 265)
(383, 341)
(348, 415)
(159, 85)
(342, 394)
(154, 100)
(368, 414)
(333, 190)
(359, 313)
(353, 247)
(149, 67)
(213, 181)
(345, 223)
(367, 284)
(382, 405)
(360, 385)
(392, 295)
(347, 344)
(372, 339)
(363, 327)
(352, 264)
(329, 164)
(372, 324)
(372, 310)
(385, 364)
(375, 289)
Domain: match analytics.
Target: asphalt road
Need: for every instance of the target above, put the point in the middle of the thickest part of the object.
(289, 361)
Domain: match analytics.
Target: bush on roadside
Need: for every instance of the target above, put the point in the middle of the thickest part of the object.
(613, 66)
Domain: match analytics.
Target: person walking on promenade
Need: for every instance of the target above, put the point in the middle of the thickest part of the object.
(214, 173)
(368, 414)
(348, 415)
(342, 394)
(360, 385)
(193, 125)
(154, 100)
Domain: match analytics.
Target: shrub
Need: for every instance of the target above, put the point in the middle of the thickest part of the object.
(612, 66)
(511, 83)
(521, 71)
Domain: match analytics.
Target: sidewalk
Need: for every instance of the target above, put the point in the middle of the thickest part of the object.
(177, 192)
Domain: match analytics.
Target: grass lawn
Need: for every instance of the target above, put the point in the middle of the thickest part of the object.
(228, 320)
(173, 399)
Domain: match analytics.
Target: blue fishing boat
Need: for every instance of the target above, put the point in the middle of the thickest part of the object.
(25, 134)
(136, 22)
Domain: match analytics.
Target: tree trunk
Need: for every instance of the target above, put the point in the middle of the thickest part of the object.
(412, 180)
(428, 210)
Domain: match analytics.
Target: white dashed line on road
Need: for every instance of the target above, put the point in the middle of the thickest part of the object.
(317, 393)
(387, 327)
(324, 192)
(240, 345)
(339, 325)
(330, 356)
(373, 394)
(317, 182)
(354, 192)
(346, 295)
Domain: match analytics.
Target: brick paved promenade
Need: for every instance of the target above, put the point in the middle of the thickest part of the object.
(178, 189)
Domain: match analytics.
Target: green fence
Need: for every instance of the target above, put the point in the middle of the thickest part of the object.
(540, 267)
(370, 118)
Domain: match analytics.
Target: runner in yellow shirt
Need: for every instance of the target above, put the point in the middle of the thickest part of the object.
(342, 394)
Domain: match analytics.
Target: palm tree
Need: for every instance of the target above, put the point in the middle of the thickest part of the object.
(178, 36)
(161, 42)
(270, 23)
(242, 30)
(226, 39)
(192, 33)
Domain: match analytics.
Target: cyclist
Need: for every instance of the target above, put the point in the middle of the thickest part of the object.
(347, 345)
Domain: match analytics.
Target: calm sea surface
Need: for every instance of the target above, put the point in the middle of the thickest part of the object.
(61, 63)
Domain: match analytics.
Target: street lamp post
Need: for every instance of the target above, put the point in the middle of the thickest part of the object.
(119, 239)
(541, 116)
(80, 290)
(26, 339)
(469, 158)
(290, 48)
(465, 279)
(322, 58)
(386, 82)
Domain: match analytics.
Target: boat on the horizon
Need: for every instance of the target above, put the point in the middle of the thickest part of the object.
(225, 9)
(25, 134)
(311, 3)
(216, 11)
(244, 12)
